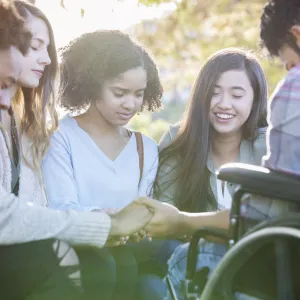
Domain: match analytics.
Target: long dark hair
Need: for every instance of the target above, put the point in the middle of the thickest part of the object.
(190, 149)
(37, 105)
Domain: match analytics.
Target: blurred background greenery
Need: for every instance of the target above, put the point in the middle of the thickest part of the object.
(181, 37)
(184, 39)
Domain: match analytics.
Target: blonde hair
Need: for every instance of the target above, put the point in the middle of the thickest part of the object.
(36, 106)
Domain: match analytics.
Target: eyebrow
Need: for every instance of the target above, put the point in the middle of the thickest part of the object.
(233, 88)
(238, 88)
(41, 41)
(126, 90)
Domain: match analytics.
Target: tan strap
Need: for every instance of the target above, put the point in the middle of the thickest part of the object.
(140, 150)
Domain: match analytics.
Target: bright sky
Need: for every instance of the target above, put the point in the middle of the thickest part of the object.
(99, 14)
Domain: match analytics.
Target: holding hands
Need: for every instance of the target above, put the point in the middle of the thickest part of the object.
(144, 217)
(166, 219)
(129, 222)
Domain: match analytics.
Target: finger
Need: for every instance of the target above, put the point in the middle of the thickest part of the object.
(142, 234)
(135, 235)
(112, 243)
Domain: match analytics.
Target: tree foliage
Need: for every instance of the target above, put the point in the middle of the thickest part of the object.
(183, 39)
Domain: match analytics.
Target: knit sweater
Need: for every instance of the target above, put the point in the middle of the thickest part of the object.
(25, 218)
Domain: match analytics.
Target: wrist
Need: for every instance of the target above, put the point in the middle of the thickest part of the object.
(182, 223)
(115, 228)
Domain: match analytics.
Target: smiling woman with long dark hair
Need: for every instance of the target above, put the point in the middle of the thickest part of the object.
(228, 102)
(225, 121)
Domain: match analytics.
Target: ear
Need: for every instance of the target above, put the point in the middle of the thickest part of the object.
(295, 30)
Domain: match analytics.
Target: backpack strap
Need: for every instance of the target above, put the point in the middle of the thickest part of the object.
(140, 150)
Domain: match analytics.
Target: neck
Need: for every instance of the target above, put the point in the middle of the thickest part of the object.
(92, 120)
(225, 148)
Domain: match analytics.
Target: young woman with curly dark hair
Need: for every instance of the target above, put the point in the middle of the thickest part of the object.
(95, 162)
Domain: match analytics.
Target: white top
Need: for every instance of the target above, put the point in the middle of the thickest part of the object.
(224, 197)
(79, 176)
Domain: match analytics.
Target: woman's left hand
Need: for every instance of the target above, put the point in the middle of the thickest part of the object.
(115, 242)
(166, 218)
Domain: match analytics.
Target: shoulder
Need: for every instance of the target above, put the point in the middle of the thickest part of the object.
(261, 134)
(66, 124)
(260, 145)
(149, 145)
(168, 137)
(63, 135)
(290, 82)
(65, 127)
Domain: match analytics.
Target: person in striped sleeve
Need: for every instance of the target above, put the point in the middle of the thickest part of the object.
(280, 35)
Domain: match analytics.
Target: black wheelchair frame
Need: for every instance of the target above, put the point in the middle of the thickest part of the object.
(242, 245)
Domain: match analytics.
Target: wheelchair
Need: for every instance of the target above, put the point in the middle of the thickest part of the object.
(263, 257)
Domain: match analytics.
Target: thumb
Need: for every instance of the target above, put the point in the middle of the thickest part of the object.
(149, 202)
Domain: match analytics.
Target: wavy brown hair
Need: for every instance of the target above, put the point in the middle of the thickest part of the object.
(36, 106)
(191, 147)
(12, 28)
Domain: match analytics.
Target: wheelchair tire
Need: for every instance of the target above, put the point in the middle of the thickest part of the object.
(239, 254)
(287, 220)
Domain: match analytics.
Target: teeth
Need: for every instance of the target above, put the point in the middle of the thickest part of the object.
(224, 116)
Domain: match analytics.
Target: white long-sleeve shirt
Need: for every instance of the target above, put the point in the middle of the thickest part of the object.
(78, 175)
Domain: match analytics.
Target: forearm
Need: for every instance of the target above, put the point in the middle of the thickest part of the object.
(191, 222)
(24, 222)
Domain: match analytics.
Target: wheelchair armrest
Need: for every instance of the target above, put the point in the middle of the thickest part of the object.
(259, 180)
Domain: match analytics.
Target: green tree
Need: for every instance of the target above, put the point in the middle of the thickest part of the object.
(186, 37)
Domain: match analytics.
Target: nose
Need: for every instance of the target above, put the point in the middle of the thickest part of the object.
(129, 103)
(45, 58)
(225, 101)
(5, 100)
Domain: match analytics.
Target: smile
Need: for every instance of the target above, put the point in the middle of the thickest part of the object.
(225, 116)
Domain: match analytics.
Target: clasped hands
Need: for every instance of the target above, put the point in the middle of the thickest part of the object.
(143, 218)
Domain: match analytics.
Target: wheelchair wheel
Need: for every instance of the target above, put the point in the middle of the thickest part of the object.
(286, 220)
(238, 255)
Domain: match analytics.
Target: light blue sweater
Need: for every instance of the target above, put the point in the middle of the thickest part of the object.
(79, 176)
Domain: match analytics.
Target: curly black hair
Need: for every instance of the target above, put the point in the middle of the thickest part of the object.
(277, 19)
(12, 28)
(95, 57)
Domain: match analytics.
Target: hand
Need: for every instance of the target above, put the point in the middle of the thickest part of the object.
(139, 236)
(109, 211)
(130, 220)
(166, 219)
(136, 237)
(115, 242)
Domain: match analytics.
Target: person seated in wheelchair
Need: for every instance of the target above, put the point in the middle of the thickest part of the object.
(280, 35)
